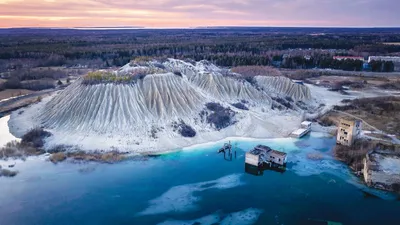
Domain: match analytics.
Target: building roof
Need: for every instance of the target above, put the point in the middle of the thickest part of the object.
(306, 123)
(262, 148)
(386, 162)
(394, 59)
(349, 57)
(275, 152)
(349, 121)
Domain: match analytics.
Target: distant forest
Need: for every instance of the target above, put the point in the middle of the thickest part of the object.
(292, 48)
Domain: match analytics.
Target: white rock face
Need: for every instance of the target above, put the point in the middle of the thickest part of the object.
(284, 86)
(107, 107)
(147, 115)
(228, 88)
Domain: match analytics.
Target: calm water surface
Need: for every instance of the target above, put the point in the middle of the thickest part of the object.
(197, 185)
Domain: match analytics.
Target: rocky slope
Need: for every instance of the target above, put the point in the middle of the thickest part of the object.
(158, 106)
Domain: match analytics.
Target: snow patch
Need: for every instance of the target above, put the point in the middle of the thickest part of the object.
(5, 135)
(390, 165)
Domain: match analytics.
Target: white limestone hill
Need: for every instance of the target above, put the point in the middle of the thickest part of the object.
(154, 106)
(284, 86)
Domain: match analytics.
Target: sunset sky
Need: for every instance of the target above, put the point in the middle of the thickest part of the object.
(192, 13)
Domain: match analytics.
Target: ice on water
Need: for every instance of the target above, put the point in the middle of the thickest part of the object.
(245, 217)
(181, 198)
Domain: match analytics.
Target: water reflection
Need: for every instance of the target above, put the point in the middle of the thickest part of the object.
(259, 171)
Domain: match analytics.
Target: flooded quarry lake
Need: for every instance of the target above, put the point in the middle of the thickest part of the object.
(196, 186)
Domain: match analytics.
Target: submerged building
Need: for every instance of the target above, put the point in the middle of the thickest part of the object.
(348, 131)
(263, 154)
(381, 170)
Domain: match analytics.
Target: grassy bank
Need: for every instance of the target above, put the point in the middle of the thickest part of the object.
(382, 113)
(32, 144)
(81, 156)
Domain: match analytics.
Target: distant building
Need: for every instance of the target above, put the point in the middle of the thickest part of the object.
(348, 131)
(348, 57)
(394, 59)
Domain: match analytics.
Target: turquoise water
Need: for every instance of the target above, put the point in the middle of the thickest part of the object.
(197, 185)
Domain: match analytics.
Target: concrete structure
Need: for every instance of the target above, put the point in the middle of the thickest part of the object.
(305, 128)
(348, 131)
(263, 154)
(381, 170)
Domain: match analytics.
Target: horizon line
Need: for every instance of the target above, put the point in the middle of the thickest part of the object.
(199, 27)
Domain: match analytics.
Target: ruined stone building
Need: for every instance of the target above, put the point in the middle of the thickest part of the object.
(348, 131)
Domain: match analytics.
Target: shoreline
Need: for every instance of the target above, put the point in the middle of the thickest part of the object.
(254, 127)
(22, 165)
(214, 143)
(82, 157)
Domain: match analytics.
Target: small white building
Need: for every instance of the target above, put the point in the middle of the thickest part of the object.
(305, 128)
(306, 125)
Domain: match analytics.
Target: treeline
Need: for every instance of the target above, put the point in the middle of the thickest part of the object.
(37, 73)
(99, 49)
(32, 79)
(345, 64)
(331, 63)
(224, 47)
(33, 85)
(381, 66)
(323, 62)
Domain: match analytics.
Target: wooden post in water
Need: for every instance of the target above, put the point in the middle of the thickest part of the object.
(235, 149)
